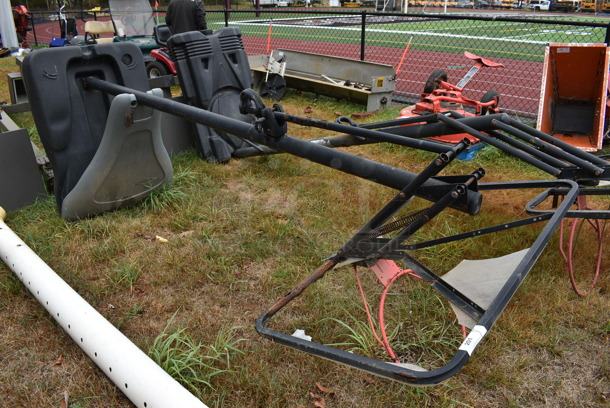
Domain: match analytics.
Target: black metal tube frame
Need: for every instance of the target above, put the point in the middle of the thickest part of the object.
(485, 322)
(529, 145)
(401, 180)
(393, 131)
(538, 215)
(368, 169)
(586, 161)
(402, 198)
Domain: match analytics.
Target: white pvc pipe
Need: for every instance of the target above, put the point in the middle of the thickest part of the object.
(7, 25)
(145, 383)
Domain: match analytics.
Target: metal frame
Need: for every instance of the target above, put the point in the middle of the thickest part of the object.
(461, 192)
(485, 319)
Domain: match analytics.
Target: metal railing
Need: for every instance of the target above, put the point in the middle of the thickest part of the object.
(434, 40)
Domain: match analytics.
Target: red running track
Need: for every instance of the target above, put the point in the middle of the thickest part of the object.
(518, 82)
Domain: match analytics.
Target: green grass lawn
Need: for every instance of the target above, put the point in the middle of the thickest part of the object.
(239, 236)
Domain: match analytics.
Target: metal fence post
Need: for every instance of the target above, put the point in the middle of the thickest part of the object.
(607, 39)
(34, 29)
(362, 35)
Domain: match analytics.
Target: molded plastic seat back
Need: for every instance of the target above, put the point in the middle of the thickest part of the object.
(71, 120)
(161, 34)
(213, 68)
(93, 29)
(131, 161)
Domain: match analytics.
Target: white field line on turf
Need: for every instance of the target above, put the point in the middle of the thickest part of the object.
(529, 31)
(483, 26)
(425, 33)
(514, 28)
(546, 32)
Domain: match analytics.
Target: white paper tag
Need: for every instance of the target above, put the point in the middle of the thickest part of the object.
(473, 339)
(301, 335)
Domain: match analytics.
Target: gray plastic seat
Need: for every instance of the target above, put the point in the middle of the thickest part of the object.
(130, 162)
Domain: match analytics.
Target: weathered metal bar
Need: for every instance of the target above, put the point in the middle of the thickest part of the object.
(402, 198)
(489, 317)
(368, 169)
(502, 146)
(304, 284)
(560, 144)
(585, 163)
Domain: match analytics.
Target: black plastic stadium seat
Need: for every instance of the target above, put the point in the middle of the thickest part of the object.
(106, 152)
(213, 70)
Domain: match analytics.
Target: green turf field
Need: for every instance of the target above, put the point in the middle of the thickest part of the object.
(499, 39)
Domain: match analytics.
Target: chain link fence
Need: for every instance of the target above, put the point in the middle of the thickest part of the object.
(434, 41)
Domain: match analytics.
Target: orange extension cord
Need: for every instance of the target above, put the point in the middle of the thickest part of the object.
(568, 253)
(383, 340)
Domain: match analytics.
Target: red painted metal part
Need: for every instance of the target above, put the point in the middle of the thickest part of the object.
(482, 61)
(448, 97)
(163, 56)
